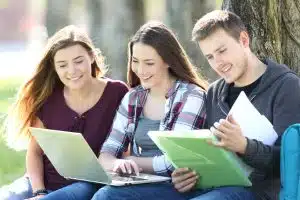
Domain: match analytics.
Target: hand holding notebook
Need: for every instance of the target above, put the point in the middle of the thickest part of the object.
(189, 148)
(253, 124)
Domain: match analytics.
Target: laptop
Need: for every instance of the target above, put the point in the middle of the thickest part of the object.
(73, 158)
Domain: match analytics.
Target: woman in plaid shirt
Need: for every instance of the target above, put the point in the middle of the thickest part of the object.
(166, 94)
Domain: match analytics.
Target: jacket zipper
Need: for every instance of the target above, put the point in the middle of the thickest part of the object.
(222, 109)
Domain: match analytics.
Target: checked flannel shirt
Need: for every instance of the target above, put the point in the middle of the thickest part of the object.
(184, 110)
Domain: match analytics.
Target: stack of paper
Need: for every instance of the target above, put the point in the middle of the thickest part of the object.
(253, 124)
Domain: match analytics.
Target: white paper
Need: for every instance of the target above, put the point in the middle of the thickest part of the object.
(253, 124)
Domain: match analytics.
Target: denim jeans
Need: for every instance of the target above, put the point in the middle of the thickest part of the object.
(20, 189)
(75, 191)
(222, 193)
(161, 191)
(156, 191)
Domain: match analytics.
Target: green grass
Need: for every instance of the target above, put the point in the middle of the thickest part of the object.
(12, 163)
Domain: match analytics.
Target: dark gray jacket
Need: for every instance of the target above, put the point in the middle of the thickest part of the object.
(278, 98)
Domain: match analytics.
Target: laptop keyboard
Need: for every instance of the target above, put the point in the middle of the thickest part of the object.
(125, 177)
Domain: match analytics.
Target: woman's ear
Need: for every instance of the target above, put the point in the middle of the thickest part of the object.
(166, 66)
(92, 57)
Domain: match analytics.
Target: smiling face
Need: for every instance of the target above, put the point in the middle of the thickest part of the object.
(73, 66)
(227, 56)
(149, 67)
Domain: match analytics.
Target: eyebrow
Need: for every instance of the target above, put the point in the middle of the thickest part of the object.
(77, 57)
(219, 48)
(216, 49)
(63, 61)
(143, 60)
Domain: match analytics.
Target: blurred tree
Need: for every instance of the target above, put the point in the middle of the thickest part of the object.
(113, 23)
(181, 16)
(274, 27)
(94, 7)
(57, 15)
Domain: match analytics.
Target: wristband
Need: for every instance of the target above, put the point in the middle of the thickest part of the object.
(40, 192)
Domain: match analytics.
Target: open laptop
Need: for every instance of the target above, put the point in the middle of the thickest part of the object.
(73, 158)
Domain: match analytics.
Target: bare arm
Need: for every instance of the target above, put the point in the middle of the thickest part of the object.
(145, 163)
(107, 161)
(34, 162)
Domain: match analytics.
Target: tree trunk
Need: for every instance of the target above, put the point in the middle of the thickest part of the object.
(115, 24)
(274, 27)
(94, 7)
(181, 16)
(57, 15)
(290, 10)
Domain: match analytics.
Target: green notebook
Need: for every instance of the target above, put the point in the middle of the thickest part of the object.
(215, 166)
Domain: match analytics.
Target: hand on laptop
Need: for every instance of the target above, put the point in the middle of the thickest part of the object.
(125, 166)
(184, 179)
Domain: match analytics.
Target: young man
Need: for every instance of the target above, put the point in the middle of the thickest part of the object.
(272, 88)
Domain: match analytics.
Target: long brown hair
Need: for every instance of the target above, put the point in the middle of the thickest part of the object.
(163, 40)
(34, 92)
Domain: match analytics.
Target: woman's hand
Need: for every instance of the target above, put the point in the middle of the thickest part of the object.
(126, 166)
(184, 179)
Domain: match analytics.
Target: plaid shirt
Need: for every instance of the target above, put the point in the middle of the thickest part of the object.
(184, 110)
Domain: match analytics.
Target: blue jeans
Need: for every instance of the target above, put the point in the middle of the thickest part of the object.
(78, 190)
(222, 193)
(21, 189)
(156, 191)
(161, 191)
(18, 190)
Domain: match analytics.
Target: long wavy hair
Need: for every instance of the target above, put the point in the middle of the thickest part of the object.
(34, 92)
(164, 41)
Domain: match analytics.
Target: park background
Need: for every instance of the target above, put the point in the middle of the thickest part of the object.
(274, 27)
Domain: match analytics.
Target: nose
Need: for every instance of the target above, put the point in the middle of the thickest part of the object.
(71, 69)
(218, 60)
(140, 69)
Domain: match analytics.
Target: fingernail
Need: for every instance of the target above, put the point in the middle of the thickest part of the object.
(222, 120)
(216, 124)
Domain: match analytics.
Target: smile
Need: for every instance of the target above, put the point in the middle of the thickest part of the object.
(146, 78)
(226, 68)
(74, 78)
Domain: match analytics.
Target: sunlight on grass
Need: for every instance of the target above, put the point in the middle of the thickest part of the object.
(12, 163)
(3, 106)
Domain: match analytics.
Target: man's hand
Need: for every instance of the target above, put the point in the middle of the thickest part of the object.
(230, 135)
(184, 179)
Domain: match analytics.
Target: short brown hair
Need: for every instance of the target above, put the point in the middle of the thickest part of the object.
(214, 20)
